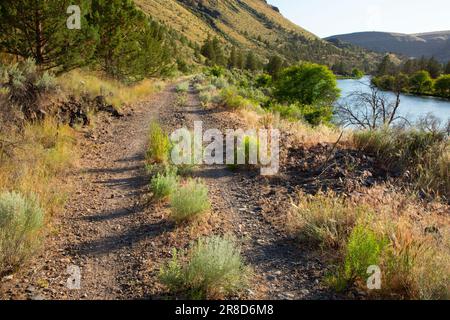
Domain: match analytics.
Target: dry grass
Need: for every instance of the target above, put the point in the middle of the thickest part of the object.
(41, 155)
(410, 240)
(117, 94)
(424, 157)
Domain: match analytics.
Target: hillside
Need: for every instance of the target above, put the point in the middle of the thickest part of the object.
(435, 44)
(250, 25)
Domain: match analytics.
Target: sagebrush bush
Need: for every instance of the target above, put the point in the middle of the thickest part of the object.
(24, 83)
(189, 201)
(21, 219)
(214, 269)
(163, 185)
(159, 144)
(182, 87)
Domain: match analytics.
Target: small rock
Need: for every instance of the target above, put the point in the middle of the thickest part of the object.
(38, 297)
(8, 278)
(271, 278)
(31, 289)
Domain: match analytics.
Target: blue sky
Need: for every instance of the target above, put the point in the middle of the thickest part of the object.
(330, 17)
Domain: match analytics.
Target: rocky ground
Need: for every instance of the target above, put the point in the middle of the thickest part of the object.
(119, 239)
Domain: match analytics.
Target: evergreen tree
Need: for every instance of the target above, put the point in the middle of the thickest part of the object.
(240, 60)
(410, 66)
(274, 66)
(212, 50)
(386, 67)
(434, 68)
(233, 59)
(208, 51)
(220, 60)
(447, 68)
(130, 45)
(38, 30)
(251, 62)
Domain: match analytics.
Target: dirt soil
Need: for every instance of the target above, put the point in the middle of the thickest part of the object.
(119, 239)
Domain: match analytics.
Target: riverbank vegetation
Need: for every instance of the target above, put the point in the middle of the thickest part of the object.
(420, 77)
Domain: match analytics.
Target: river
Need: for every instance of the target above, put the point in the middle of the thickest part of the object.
(411, 107)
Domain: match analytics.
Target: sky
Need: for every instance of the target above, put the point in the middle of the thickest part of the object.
(331, 17)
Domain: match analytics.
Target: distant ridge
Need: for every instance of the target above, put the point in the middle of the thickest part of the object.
(427, 44)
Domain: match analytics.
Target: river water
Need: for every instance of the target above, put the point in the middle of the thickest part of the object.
(411, 107)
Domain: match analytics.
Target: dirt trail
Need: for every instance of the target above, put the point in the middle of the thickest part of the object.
(282, 270)
(104, 218)
(119, 241)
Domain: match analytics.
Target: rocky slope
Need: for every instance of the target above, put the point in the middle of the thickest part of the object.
(250, 25)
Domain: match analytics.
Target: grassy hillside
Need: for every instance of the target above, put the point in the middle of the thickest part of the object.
(435, 44)
(251, 25)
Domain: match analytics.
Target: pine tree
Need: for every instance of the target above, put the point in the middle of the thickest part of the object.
(434, 68)
(220, 60)
(131, 46)
(274, 66)
(410, 66)
(38, 30)
(251, 62)
(233, 59)
(208, 51)
(240, 60)
(447, 68)
(386, 67)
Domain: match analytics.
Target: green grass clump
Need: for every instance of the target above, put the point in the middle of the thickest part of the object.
(21, 219)
(214, 269)
(163, 185)
(159, 144)
(248, 145)
(189, 201)
(182, 87)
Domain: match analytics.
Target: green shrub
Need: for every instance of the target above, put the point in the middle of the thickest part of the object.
(421, 82)
(442, 86)
(189, 201)
(217, 71)
(364, 249)
(214, 269)
(20, 222)
(263, 80)
(307, 84)
(159, 144)
(231, 99)
(314, 115)
(163, 185)
(182, 87)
